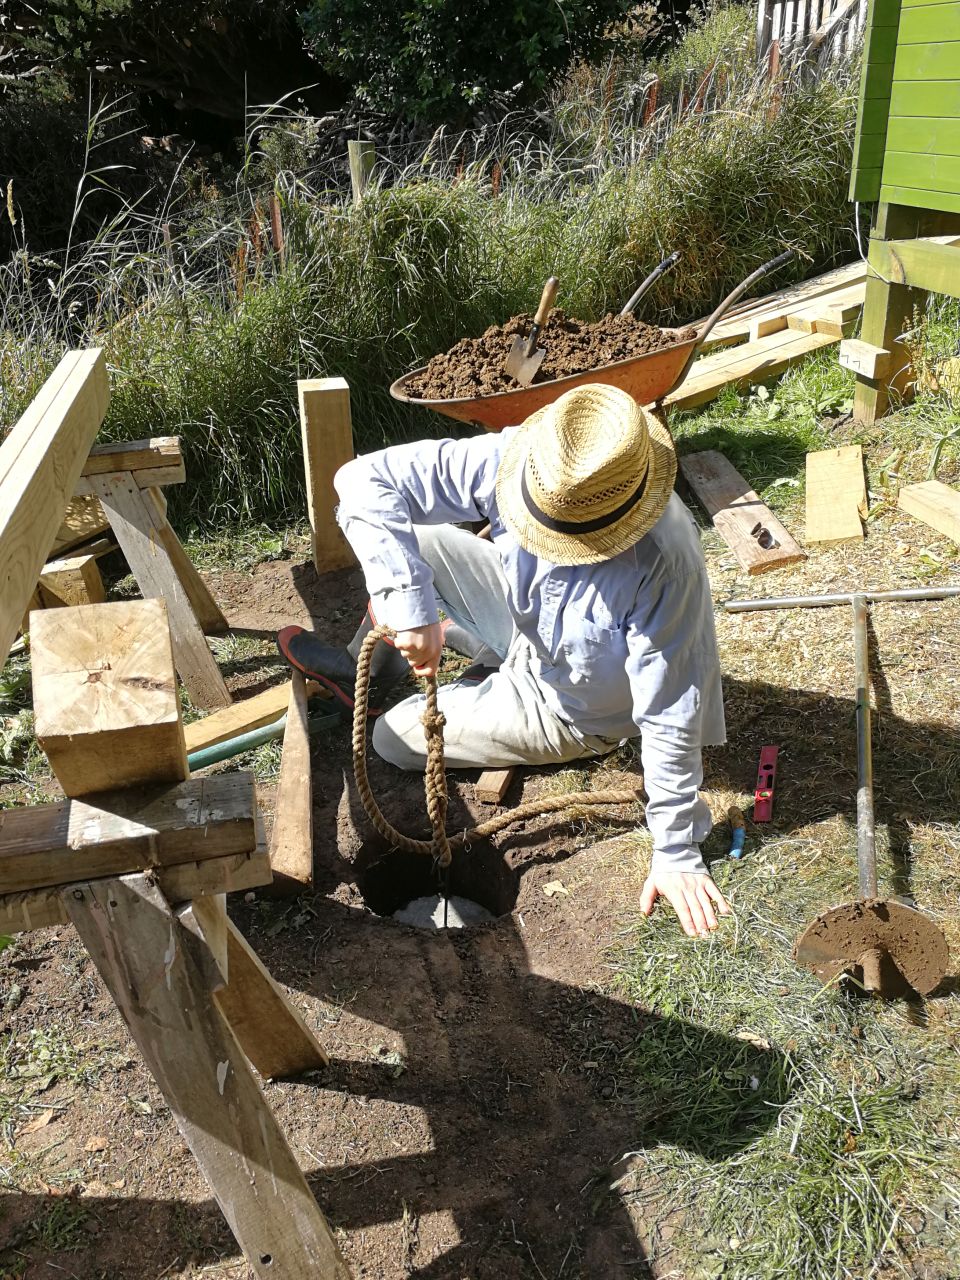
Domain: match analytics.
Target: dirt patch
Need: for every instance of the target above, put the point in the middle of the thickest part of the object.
(474, 367)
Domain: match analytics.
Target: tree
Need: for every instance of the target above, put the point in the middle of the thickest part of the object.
(440, 60)
(209, 55)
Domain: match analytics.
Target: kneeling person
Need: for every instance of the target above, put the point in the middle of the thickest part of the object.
(589, 605)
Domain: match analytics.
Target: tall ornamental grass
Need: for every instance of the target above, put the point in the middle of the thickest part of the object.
(207, 327)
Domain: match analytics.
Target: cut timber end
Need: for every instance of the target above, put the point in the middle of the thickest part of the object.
(327, 444)
(836, 494)
(105, 696)
(492, 785)
(864, 359)
(750, 529)
(291, 842)
(936, 504)
(71, 581)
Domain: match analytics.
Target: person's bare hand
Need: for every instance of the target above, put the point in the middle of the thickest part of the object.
(692, 896)
(422, 646)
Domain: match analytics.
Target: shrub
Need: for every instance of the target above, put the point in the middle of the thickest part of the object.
(442, 59)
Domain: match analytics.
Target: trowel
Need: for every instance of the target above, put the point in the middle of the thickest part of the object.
(525, 358)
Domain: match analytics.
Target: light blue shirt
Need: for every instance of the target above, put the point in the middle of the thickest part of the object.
(621, 647)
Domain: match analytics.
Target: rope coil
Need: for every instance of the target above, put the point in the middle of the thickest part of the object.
(442, 845)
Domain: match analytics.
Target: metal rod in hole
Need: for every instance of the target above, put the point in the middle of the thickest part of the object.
(846, 597)
(866, 829)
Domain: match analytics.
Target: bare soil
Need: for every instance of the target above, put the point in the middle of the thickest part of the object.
(465, 1126)
(474, 367)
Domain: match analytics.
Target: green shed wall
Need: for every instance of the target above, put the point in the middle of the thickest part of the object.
(908, 130)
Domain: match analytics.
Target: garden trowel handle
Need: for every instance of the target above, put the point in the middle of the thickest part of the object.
(547, 299)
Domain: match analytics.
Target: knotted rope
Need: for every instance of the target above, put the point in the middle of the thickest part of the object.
(442, 845)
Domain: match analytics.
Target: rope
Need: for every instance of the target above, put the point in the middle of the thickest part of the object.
(442, 845)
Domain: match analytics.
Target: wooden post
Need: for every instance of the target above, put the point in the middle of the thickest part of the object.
(158, 975)
(105, 696)
(888, 310)
(291, 842)
(327, 445)
(139, 529)
(362, 157)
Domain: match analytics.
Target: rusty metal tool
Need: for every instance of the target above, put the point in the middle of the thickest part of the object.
(525, 358)
(869, 935)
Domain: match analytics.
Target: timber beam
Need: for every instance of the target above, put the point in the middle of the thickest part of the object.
(136, 829)
(919, 264)
(154, 462)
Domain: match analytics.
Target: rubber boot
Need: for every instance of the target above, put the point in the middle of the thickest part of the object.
(484, 660)
(336, 668)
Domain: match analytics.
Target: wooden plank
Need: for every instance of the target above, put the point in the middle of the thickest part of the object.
(836, 494)
(832, 314)
(925, 98)
(137, 526)
(929, 24)
(180, 882)
(40, 463)
(105, 698)
(135, 829)
(82, 520)
(927, 62)
(737, 328)
(762, 325)
(268, 1025)
(743, 365)
(924, 135)
(919, 264)
(71, 581)
(864, 358)
(492, 785)
(924, 172)
(327, 444)
(241, 717)
(161, 452)
(291, 841)
(155, 477)
(936, 504)
(127, 927)
(748, 526)
(206, 610)
(944, 200)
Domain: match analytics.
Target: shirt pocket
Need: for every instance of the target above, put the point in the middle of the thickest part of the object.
(594, 653)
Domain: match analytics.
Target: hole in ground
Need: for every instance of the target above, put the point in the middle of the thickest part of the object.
(389, 879)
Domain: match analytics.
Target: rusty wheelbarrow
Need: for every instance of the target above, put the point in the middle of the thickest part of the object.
(648, 378)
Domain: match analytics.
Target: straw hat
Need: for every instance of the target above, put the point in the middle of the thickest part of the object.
(584, 478)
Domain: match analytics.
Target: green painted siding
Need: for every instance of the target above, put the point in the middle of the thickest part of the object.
(933, 98)
(876, 81)
(924, 135)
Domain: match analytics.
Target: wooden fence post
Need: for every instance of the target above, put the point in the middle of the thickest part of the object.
(327, 444)
(362, 157)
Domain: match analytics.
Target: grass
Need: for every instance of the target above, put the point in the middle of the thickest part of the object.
(206, 335)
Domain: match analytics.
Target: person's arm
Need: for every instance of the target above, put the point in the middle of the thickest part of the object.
(382, 496)
(671, 655)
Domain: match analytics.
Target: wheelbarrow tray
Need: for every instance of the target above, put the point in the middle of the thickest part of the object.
(646, 378)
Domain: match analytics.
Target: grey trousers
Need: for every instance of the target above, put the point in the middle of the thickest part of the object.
(502, 720)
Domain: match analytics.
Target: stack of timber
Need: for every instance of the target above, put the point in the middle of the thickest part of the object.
(765, 336)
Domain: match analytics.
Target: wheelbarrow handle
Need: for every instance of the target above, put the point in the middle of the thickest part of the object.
(651, 280)
(773, 265)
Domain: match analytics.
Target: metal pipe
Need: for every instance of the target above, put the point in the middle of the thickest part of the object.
(846, 597)
(866, 830)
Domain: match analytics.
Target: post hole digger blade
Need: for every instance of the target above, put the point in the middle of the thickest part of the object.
(891, 944)
(525, 358)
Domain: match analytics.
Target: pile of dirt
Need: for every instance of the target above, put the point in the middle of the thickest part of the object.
(474, 367)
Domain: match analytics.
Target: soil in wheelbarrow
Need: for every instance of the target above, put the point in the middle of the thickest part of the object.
(474, 367)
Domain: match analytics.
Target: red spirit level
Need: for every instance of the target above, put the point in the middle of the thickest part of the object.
(766, 774)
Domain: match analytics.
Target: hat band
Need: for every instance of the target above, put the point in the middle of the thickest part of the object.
(581, 526)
